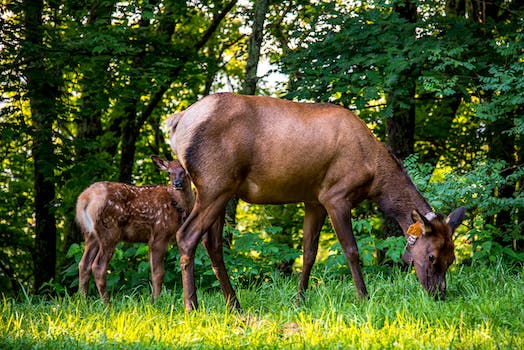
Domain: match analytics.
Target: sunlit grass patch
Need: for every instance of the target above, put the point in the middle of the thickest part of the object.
(482, 311)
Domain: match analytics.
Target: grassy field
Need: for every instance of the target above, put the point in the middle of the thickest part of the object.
(484, 310)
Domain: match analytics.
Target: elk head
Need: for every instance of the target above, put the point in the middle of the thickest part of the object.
(176, 172)
(430, 248)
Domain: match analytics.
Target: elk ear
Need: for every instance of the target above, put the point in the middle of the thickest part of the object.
(421, 221)
(455, 218)
(160, 163)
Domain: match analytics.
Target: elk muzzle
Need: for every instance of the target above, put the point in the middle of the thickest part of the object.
(434, 282)
(429, 276)
(178, 184)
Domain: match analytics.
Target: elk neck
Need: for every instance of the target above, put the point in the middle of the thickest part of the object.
(397, 195)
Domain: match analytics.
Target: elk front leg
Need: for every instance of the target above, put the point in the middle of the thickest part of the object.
(157, 253)
(340, 215)
(314, 218)
(213, 243)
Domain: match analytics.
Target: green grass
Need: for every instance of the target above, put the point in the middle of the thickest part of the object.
(483, 310)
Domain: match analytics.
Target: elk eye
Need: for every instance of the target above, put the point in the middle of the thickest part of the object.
(431, 258)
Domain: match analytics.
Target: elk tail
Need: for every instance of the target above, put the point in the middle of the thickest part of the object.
(172, 121)
(88, 207)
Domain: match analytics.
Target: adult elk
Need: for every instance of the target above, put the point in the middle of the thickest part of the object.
(271, 151)
(111, 212)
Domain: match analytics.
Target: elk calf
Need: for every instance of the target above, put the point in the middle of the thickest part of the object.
(111, 212)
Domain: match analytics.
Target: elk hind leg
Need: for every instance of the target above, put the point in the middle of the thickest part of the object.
(213, 243)
(204, 214)
(314, 218)
(91, 248)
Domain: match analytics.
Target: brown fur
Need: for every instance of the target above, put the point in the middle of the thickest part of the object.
(270, 151)
(110, 212)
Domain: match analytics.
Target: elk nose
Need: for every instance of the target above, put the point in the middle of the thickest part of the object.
(177, 184)
(440, 293)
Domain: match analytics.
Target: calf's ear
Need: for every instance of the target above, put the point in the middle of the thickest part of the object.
(160, 163)
(455, 218)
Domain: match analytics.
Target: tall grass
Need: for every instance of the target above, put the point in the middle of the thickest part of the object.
(483, 310)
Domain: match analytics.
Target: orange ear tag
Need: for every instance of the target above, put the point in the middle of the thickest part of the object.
(415, 229)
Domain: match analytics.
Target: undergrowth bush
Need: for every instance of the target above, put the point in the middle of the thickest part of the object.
(270, 236)
(477, 189)
(251, 260)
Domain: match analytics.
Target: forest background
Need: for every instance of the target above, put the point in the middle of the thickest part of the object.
(85, 87)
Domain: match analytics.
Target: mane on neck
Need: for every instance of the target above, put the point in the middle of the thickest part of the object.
(399, 196)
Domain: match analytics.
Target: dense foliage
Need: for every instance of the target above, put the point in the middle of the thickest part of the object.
(86, 85)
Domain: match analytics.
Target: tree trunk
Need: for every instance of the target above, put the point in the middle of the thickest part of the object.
(249, 87)
(130, 131)
(401, 128)
(255, 43)
(42, 91)
(401, 125)
(502, 147)
(132, 120)
(93, 103)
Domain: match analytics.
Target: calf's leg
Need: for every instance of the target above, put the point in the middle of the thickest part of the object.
(157, 253)
(85, 266)
(100, 268)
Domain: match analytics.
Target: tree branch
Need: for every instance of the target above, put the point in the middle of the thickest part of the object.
(157, 97)
(217, 19)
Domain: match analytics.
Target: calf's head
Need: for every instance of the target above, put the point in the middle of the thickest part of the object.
(177, 174)
(430, 248)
